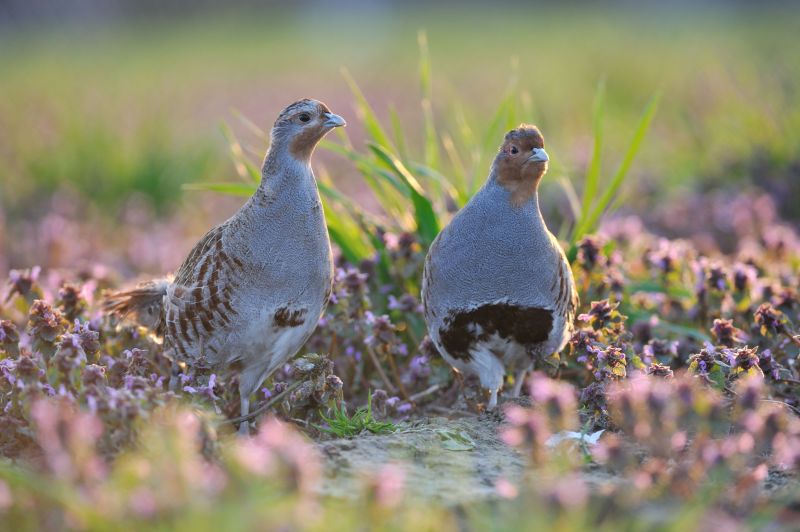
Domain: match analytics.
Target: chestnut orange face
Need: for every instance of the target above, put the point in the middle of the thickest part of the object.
(522, 155)
(521, 162)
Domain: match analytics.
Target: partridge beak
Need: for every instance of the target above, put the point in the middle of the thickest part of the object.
(539, 155)
(332, 120)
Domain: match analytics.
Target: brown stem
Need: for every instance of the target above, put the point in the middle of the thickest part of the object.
(423, 393)
(396, 374)
(786, 405)
(266, 405)
(381, 373)
(333, 346)
(791, 337)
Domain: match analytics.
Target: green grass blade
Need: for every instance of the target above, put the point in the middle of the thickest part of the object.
(444, 184)
(502, 120)
(249, 124)
(609, 197)
(572, 196)
(431, 136)
(610, 193)
(459, 170)
(424, 213)
(390, 197)
(353, 234)
(371, 123)
(592, 181)
(244, 168)
(397, 132)
(343, 239)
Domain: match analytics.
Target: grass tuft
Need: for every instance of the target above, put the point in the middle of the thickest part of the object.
(342, 425)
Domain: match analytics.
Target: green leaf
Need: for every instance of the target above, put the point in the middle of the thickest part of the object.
(609, 199)
(397, 131)
(371, 123)
(390, 198)
(609, 195)
(455, 440)
(592, 181)
(244, 168)
(717, 376)
(444, 183)
(425, 216)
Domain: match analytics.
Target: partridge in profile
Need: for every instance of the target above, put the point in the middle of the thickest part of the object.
(497, 289)
(252, 290)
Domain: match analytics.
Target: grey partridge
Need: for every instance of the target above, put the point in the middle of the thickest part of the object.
(497, 289)
(252, 290)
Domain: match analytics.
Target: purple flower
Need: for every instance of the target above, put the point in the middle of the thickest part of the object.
(769, 319)
(22, 281)
(768, 364)
(354, 280)
(725, 333)
(744, 276)
(406, 303)
(419, 367)
(660, 370)
(745, 360)
(658, 350)
(45, 322)
(602, 314)
(589, 249)
(665, 257)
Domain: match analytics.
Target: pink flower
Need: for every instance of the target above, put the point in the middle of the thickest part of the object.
(506, 489)
(389, 485)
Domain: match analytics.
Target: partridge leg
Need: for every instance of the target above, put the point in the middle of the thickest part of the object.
(174, 376)
(519, 378)
(244, 426)
(492, 400)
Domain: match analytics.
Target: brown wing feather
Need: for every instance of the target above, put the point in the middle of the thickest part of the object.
(567, 300)
(198, 308)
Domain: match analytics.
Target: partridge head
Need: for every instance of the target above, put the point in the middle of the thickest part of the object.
(521, 163)
(301, 126)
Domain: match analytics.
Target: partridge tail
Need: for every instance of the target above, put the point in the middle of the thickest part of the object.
(145, 302)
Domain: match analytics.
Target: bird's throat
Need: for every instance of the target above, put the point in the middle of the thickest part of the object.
(521, 188)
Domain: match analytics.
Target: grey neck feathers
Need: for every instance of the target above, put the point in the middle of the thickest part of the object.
(281, 173)
(500, 198)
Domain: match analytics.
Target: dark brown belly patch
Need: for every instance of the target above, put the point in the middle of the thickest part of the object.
(527, 326)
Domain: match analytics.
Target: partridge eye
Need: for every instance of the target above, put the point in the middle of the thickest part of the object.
(305, 117)
(514, 150)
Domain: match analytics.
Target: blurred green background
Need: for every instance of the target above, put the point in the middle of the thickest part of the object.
(101, 107)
